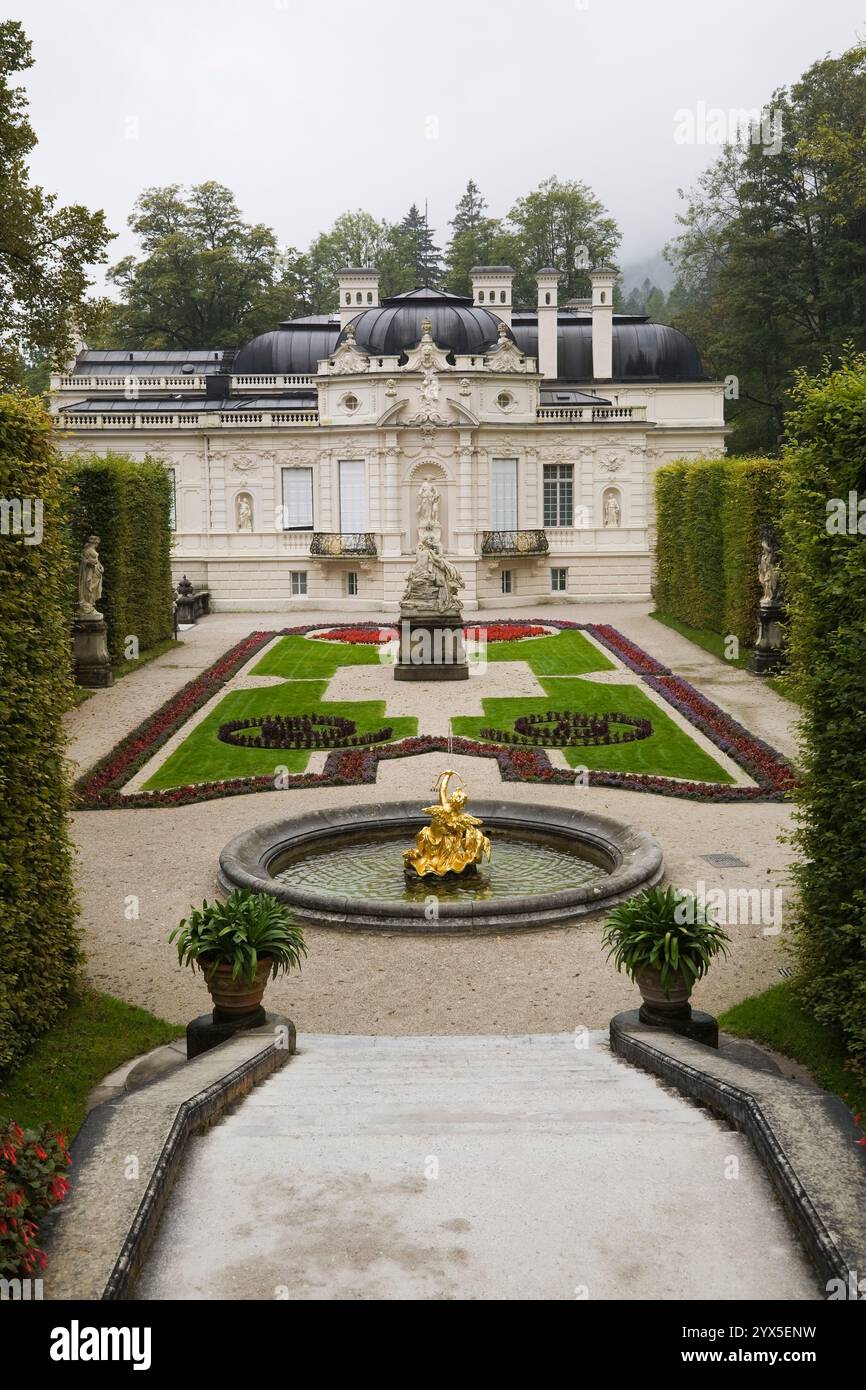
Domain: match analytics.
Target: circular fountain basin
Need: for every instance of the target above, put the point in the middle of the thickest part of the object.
(344, 868)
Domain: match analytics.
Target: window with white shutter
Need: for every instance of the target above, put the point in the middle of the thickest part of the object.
(504, 505)
(297, 499)
(353, 496)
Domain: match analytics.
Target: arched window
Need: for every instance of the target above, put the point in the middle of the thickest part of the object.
(358, 298)
(369, 296)
(348, 298)
(547, 297)
(501, 296)
(604, 296)
(480, 296)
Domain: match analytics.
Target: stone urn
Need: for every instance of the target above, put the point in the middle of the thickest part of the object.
(663, 1004)
(236, 997)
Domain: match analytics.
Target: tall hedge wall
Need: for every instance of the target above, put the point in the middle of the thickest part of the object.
(38, 933)
(128, 505)
(709, 515)
(826, 460)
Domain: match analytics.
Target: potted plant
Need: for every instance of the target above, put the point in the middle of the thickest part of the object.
(664, 941)
(237, 944)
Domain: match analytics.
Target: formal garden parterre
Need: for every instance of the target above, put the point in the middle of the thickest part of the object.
(346, 765)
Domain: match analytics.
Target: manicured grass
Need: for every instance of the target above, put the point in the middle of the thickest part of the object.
(305, 658)
(778, 1019)
(203, 758)
(566, 654)
(96, 1034)
(704, 637)
(668, 752)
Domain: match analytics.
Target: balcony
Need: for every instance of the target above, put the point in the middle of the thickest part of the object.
(514, 543)
(589, 414)
(342, 545)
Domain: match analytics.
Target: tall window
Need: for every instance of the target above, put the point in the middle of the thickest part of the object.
(353, 496)
(297, 499)
(299, 583)
(558, 494)
(507, 581)
(559, 581)
(504, 508)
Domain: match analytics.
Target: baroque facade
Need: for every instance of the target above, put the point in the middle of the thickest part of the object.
(299, 459)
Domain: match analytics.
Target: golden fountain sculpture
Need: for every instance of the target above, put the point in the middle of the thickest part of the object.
(452, 842)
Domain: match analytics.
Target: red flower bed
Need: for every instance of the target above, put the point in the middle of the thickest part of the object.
(371, 636)
(504, 632)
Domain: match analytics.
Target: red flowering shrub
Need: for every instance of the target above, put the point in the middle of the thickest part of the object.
(33, 1179)
(503, 632)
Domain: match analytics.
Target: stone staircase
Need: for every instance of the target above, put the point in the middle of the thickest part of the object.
(483, 1167)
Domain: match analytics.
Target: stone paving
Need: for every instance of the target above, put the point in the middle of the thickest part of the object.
(540, 981)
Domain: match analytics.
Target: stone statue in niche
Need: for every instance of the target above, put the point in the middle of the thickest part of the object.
(428, 504)
(90, 572)
(612, 509)
(245, 512)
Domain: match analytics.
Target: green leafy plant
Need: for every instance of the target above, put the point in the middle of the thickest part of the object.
(671, 932)
(240, 932)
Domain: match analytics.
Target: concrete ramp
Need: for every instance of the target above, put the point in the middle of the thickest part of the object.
(471, 1168)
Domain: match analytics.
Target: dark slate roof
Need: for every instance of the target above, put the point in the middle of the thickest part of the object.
(642, 351)
(569, 396)
(152, 362)
(457, 325)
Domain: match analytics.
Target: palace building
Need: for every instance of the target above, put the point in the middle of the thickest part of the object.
(298, 458)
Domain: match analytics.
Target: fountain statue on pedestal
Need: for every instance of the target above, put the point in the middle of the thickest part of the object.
(452, 842)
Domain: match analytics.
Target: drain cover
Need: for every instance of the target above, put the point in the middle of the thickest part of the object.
(725, 861)
(786, 972)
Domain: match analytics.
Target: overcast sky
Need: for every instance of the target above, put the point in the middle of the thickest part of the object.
(307, 109)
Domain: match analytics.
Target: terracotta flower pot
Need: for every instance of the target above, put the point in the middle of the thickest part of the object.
(673, 999)
(236, 996)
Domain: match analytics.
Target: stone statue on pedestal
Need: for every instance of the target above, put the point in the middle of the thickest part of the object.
(433, 584)
(90, 572)
(89, 629)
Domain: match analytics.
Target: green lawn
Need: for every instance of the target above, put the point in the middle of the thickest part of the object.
(668, 752)
(566, 654)
(96, 1034)
(778, 1019)
(559, 661)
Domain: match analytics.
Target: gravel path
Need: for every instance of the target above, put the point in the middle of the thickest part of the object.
(155, 863)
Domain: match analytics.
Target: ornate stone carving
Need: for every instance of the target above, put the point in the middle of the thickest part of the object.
(506, 356)
(433, 584)
(465, 386)
(348, 359)
(390, 387)
(769, 568)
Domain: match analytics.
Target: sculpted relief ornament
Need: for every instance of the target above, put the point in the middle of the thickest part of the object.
(506, 356)
(348, 358)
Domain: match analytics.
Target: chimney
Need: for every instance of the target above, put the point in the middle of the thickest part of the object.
(548, 323)
(359, 290)
(491, 289)
(602, 280)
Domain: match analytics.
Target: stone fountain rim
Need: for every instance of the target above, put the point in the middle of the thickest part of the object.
(635, 855)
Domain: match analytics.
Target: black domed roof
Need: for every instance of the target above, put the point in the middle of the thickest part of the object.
(456, 324)
(642, 351)
(294, 348)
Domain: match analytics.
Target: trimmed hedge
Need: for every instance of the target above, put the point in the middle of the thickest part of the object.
(128, 505)
(38, 932)
(826, 459)
(709, 515)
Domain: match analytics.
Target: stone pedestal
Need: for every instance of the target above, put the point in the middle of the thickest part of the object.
(767, 656)
(90, 652)
(431, 649)
(209, 1030)
(691, 1023)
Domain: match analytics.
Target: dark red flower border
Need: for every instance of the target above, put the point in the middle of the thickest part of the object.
(101, 787)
